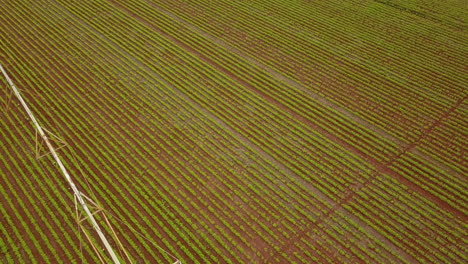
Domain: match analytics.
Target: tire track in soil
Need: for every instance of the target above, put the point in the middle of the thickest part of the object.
(246, 141)
(303, 233)
(339, 207)
(375, 163)
(205, 111)
(412, 147)
(320, 99)
(381, 167)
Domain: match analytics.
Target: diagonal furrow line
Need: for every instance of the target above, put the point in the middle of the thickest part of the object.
(379, 166)
(205, 111)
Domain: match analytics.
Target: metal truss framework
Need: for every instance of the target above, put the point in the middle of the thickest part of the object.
(85, 208)
(43, 138)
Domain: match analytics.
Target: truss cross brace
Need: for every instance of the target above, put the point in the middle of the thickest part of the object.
(64, 171)
(8, 101)
(40, 141)
(95, 209)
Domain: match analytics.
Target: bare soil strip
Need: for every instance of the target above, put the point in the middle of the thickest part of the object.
(284, 170)
(284, 79)
(205, 111)
(382, 168)
(281, 78)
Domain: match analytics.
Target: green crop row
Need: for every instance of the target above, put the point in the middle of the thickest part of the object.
(258, 79)
(195, 147)
(204, 24)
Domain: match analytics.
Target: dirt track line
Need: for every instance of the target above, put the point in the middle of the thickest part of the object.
(281, 78)
(381, 167)
(320, 99)
(205, 111)
(338, 207)
(410, 147)
(213, 117)
(245, 140)
(285, 247)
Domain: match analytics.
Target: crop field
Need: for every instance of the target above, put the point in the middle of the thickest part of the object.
(249, 131)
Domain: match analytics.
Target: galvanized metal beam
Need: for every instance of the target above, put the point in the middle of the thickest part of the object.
(76, 192)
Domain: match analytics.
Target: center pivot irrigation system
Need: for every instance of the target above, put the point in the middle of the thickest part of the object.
(45, 136)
